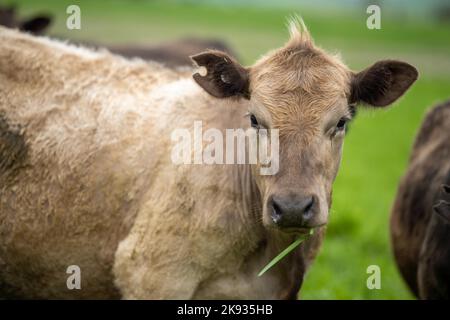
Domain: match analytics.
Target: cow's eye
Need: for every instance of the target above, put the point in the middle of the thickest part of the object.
(254, 121)
(341, 124)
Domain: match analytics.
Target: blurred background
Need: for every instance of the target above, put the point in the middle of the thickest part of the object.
(378, 144)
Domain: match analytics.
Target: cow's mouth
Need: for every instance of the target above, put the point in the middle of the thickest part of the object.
(300, 231)
(297, 231)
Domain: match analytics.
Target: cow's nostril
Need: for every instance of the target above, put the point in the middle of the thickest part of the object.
(307, 212)
(293, 211)
(276, 211)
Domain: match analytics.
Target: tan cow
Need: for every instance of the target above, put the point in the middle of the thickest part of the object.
(86, 176)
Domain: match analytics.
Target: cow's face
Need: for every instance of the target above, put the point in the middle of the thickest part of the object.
(309, 97)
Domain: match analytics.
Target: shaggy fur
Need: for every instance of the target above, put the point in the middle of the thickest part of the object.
(93, 184)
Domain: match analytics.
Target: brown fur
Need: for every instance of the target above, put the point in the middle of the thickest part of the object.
(99, 189)
(418, 235)
(434, 261)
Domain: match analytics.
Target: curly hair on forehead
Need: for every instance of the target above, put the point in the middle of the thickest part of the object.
(300, 74)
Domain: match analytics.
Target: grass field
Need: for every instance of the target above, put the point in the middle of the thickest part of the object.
(377, 147)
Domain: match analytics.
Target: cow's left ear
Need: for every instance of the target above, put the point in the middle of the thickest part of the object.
(225, 77)
(382, 83)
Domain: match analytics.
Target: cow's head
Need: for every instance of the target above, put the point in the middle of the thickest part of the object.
(310, 97)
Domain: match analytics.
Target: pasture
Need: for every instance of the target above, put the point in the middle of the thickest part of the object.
(378, 143)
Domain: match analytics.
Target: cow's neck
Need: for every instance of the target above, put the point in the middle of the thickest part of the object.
(250, 195)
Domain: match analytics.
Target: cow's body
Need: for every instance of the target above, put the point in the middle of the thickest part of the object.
(419, 230)
(86, 179)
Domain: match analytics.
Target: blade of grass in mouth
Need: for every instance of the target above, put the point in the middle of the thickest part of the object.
(285, 252)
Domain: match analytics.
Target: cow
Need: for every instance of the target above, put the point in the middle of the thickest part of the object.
(172, 54)
(37, 24)
(87, 180)
(420, 217)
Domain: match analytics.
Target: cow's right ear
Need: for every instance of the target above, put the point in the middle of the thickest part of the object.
(225, 77)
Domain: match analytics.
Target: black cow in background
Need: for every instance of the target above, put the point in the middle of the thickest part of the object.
(420, 218)
(36, 24)
(173, 54)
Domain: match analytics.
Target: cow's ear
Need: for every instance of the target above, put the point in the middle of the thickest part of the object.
(224, 77)
(382, 83)
(36, 24)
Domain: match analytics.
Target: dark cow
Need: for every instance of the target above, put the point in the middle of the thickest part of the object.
(37, 24)
(173, 54)
(420, 220)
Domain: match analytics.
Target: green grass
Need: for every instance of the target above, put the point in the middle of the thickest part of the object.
(285, 252)
(377, 147)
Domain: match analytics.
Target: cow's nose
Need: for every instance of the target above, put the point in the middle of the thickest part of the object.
(294, 212)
